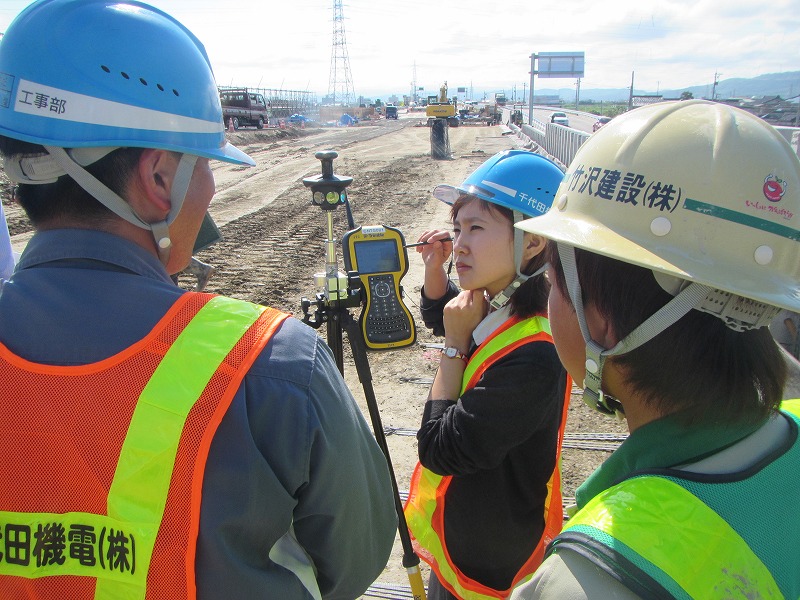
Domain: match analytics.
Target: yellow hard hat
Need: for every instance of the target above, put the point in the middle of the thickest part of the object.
(695, 190)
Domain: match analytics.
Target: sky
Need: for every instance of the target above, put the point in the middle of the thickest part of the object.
(486, 44)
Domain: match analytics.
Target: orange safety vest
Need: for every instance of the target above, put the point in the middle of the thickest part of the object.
(424, 509)
(103, 463)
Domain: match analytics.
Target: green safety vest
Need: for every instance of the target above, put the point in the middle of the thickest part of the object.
(674, 534)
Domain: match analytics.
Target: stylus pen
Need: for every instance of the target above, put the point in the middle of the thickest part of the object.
(426, 243)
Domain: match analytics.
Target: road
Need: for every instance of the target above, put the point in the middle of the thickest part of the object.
(577, 120)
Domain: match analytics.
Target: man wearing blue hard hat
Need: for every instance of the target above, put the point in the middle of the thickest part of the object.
(156, 443)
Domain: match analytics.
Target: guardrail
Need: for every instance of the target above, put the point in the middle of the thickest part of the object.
(561, 143)
(558, 142)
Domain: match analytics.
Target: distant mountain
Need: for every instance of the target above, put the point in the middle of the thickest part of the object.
(786, 85)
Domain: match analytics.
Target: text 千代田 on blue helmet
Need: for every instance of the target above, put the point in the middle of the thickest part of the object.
(516, 179)
(524, 182)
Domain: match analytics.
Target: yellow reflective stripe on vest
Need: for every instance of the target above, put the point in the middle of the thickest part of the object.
(117, 549)
(419, 513)
(518, 331)
(666, 524)
(42, 544)
(141, 482)
(791, 406)
(422, 502)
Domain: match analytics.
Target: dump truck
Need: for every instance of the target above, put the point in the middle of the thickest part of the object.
(243, 107)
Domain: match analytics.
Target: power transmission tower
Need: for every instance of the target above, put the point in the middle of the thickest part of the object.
(340, 84)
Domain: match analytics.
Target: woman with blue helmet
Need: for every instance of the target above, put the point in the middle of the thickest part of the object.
(161, 443)
(485, 498)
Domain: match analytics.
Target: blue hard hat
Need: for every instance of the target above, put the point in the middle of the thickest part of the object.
(517, 179)
(109, 73)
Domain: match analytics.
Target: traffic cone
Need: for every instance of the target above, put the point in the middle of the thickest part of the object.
(230, 125)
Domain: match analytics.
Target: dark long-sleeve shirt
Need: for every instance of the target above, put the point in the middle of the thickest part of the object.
(499, 443)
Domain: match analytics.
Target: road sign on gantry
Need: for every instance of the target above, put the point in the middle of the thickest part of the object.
(566, 65)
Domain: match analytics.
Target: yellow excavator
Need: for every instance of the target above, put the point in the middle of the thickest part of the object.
(441, 115)
(441, 106)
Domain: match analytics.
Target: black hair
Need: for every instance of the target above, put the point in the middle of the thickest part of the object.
(531, 297)
(65, 199)
(697, 368)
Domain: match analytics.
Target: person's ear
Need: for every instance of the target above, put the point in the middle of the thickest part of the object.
(600, 327)
(532, 245)
(155, 174)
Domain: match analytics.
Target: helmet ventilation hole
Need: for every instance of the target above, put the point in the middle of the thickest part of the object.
(142, 80)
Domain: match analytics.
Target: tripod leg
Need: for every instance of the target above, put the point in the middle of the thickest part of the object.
(334, 332)
(410, 558)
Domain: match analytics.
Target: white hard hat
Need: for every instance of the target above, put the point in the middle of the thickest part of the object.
(697, 190)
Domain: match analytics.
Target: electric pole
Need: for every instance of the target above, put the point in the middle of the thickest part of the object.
(714, 87)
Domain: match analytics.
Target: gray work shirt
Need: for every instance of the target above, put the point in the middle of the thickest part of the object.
(293, 451)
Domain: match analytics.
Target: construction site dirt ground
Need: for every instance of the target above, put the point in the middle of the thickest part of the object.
(274, 243)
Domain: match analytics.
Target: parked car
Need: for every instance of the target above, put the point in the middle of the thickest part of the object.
(600, 122)
(559, 118)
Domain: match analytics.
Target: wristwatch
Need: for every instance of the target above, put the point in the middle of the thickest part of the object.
(451, 352)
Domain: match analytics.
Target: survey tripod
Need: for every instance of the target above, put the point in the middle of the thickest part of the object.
(341, 292)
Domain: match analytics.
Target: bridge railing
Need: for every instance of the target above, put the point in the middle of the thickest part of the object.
(561, 143)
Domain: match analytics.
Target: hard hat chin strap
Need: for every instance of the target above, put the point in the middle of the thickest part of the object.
(688, 298)
(177, 194)
(501, 299)
(120, 207)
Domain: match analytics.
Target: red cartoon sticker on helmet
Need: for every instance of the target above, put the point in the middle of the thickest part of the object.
(774, 188)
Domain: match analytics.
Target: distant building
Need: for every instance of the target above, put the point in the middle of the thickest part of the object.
(773, 109)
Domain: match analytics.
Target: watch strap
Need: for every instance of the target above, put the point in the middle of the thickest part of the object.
(452, 352)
